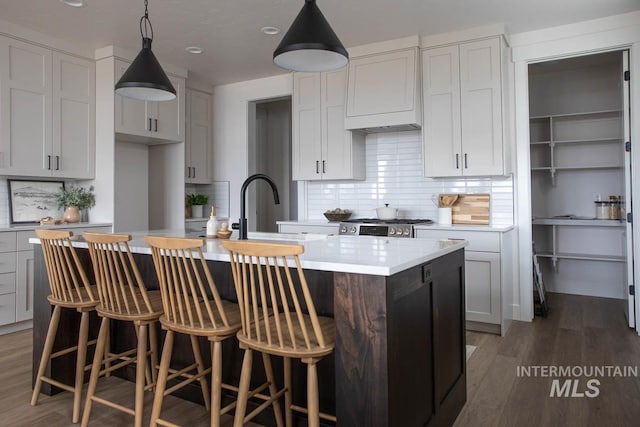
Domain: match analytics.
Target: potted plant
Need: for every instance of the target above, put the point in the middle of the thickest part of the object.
(74, 200)
(197, 202)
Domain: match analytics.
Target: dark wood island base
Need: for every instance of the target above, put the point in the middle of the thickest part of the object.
(400, 342)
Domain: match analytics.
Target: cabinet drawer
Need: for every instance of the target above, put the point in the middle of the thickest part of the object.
(314, 229)
(8, 262)
(23, 240)
(7, 309)
(481, 241)
(7, 242)
(7, 283)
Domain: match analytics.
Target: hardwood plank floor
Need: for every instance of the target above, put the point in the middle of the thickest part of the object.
(582, 331)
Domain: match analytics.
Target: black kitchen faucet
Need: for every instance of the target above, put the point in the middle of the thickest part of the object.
(241, 225)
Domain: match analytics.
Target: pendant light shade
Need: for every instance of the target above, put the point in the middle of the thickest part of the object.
(310, 45)
(145, 79)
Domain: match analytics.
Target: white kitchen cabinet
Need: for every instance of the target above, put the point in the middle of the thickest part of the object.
(198, 138)
(488, 276)
(321, 148)
(148, 121)
(328, 228)
(24, 292)
(384, 90)
(47, 112)
(462, 134)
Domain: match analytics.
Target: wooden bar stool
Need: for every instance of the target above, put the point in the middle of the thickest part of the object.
(192, 306)
(69, 289)
(123, 297)
(271, 326)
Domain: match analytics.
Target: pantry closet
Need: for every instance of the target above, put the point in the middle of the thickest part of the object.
(578, 132)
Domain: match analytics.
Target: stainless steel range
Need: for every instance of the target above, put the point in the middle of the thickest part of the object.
(378, 227)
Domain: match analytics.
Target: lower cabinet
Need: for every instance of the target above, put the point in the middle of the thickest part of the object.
(16, 276)
(489, 276)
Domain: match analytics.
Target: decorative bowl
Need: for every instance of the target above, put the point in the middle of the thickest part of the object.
(337, 217)
(223, 234)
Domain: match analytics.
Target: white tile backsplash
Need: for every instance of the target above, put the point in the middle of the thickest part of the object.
(394, 176)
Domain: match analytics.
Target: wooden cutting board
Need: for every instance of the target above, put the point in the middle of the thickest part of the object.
(471, 209)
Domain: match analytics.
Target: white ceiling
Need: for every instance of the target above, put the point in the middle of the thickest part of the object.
(236, 50)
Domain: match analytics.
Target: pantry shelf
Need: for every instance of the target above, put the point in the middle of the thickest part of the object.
(587, 257)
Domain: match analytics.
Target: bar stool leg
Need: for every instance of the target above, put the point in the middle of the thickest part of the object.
(141, 373)
(81, 358)
(107, 351)
(103, 335)
(163, 373)
(153, 343)
(273, 389)
(195, 345)
(216, 382)
(243, 392)
(46, 353)
(312, 395)
(288, 400)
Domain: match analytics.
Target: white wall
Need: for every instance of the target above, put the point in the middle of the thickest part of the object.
(230, 130)
(131, 201)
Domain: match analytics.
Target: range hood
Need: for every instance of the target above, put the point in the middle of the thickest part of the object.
(390, 128)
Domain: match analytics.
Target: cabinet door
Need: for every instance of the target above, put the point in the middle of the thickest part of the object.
(25, 109)
(130, 114)
(198, 138)
(481, 107)
(483, 286)
(24, 285)
(7, 309)
(168, 116)
(336, 141)
(382, 84)
(441, 133)
(73, 117)
(306, 147)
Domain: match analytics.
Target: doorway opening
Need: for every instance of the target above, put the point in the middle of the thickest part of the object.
(580, 176)
(270, 153)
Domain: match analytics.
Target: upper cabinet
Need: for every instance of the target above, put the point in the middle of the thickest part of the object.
(47, 112)
(322, 148)
(384, 91)
(463, 110)
(198, 141)
(147, 121)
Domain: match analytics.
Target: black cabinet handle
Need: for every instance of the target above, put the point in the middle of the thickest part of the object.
(323, 167)
(466, 166)
(57, 163)
(156, 128)
(49, 162)
(317, 166)
(194, 172)
(188, 172)
(149, 124)
(457, 161)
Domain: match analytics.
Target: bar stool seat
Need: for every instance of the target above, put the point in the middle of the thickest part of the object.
(124, 297)
(70, 289)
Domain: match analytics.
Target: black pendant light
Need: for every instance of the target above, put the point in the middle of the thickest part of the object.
(145, 79)
(310, 44)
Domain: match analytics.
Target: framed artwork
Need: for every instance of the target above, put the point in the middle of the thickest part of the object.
(29, 201)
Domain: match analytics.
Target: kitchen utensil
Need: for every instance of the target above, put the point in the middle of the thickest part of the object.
(386, 212)
(447, 200)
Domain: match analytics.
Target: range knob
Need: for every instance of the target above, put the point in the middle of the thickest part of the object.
(406, 232)
(353, 230)
(343, 229)
(392, 231)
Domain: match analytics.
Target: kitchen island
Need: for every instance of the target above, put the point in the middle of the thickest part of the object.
(399, 310)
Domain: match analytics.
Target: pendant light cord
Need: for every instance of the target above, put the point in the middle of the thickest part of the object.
(147, 23)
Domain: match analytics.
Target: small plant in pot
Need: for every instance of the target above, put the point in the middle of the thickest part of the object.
(75, 199)
(197, 202)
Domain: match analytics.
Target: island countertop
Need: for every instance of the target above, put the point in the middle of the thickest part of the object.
(379, 256)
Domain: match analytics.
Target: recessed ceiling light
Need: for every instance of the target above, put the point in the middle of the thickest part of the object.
(193, 49)
(270, 31)
(74, 3)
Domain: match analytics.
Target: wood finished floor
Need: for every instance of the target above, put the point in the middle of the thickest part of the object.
(581, 331)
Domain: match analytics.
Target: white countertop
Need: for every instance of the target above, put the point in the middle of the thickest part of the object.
(457, 227)
(349, 254)
(30, 227)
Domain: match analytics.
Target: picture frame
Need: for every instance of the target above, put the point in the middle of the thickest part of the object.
(30, 201)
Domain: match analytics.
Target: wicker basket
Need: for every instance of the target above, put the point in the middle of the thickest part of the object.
(337, 217)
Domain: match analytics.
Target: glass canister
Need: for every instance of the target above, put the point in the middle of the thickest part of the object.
(615, 207)
(603, 209)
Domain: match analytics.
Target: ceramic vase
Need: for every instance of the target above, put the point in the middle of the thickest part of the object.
(196, 211)
(71, 214)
